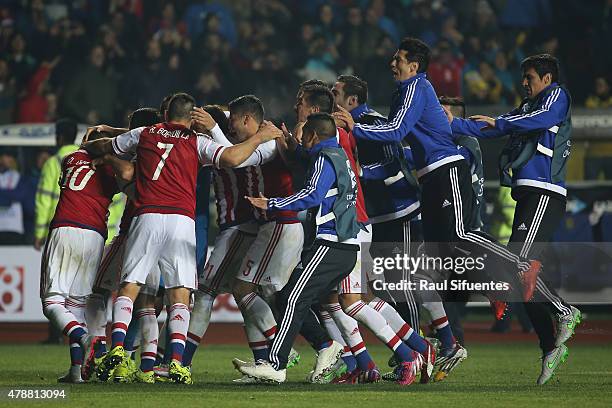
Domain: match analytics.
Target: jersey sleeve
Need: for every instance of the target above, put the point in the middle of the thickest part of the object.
(551, 113)
(209, 151)
(316, 187)
(401, 123)
(127, 142)
(264, 153)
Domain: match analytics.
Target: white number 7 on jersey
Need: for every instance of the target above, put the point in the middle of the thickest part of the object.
(167, 147)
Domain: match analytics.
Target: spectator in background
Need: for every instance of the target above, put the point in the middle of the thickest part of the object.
(14, 200)
(91, 97)
(8, 94)
(445, 71)
(483, 87)
(34, 106)
(48, 190)
(353, 37)
(21, 62)
(508, 94)
(601, 96)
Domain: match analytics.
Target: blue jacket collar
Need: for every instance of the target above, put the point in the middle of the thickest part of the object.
(360, 110)
(405, 83)
(545, 91)
(332, 142)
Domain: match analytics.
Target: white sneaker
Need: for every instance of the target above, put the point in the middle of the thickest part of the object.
(550, 362)
(245, 379)
(326, 360)
(566, 326)
(264, 372)
(241, 363)
(73, 376)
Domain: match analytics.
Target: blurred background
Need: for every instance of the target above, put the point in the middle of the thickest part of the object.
(95, 61)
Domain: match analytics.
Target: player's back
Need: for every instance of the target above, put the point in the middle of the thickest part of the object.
(85, 194)
(166, 170)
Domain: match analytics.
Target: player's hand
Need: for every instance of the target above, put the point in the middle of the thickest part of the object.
(341, 115)
(289, 142)
(487, 119)
(202, 121)
(297, 132)
(449, 114)
(268, 131)
(39, 243)
(258, 202)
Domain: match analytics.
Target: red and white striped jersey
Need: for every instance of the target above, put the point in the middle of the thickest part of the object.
(272, 179)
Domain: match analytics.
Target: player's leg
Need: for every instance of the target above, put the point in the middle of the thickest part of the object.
(143, 246)
(178, 270)
(535, 219)
(215, 278)
(70, 260)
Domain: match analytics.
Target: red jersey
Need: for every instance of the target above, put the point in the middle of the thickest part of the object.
(85, 194)
(126, 218)
(169, 155)
(349, 145)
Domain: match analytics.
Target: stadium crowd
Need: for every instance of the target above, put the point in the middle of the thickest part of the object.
(96, 60)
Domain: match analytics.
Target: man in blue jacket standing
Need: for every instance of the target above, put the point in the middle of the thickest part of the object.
(417, 117)
(533, 163)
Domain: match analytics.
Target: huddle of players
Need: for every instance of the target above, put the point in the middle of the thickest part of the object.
(257, 253)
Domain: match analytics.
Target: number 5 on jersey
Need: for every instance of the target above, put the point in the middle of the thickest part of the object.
(167, 147)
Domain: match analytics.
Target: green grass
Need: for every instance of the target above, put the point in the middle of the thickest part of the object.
(501, 375)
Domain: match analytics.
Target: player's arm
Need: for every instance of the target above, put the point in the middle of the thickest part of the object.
(399, 125)
(45, 198)
(552, 111)
(316, 187)
(120, 145)
(247, 153)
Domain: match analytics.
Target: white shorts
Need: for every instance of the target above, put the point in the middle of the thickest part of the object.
(356, 282)
(164, 240)
(109, 272)
(224, 263)
(70, 261)
(270, 260)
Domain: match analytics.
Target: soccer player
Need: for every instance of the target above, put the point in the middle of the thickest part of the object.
(348, 303)
(162, 231)
(109, 275)
(236, 219)
(447, 196)
(334, 251)
(73, 251)
(537, 154)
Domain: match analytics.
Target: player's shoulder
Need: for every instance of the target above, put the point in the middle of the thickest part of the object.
(77, 156)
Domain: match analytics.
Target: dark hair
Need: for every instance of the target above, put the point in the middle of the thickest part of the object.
(65, 131)
(180, 106)
(542, 64)
(248, 104)
(310, 82)
(322, 124)
(355, 86)
(321, 96)
(417, 51)
(218, 115)
(163, 106)
(453, 101)
(144, 117)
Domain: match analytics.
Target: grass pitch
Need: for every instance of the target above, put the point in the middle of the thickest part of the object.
(494, 375)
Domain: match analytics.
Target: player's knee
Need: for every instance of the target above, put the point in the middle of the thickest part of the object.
(347, 299)
(242, 288)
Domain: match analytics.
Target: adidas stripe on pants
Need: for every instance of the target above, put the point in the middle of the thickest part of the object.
(536, 217)
(324, 264)
(447, 199)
